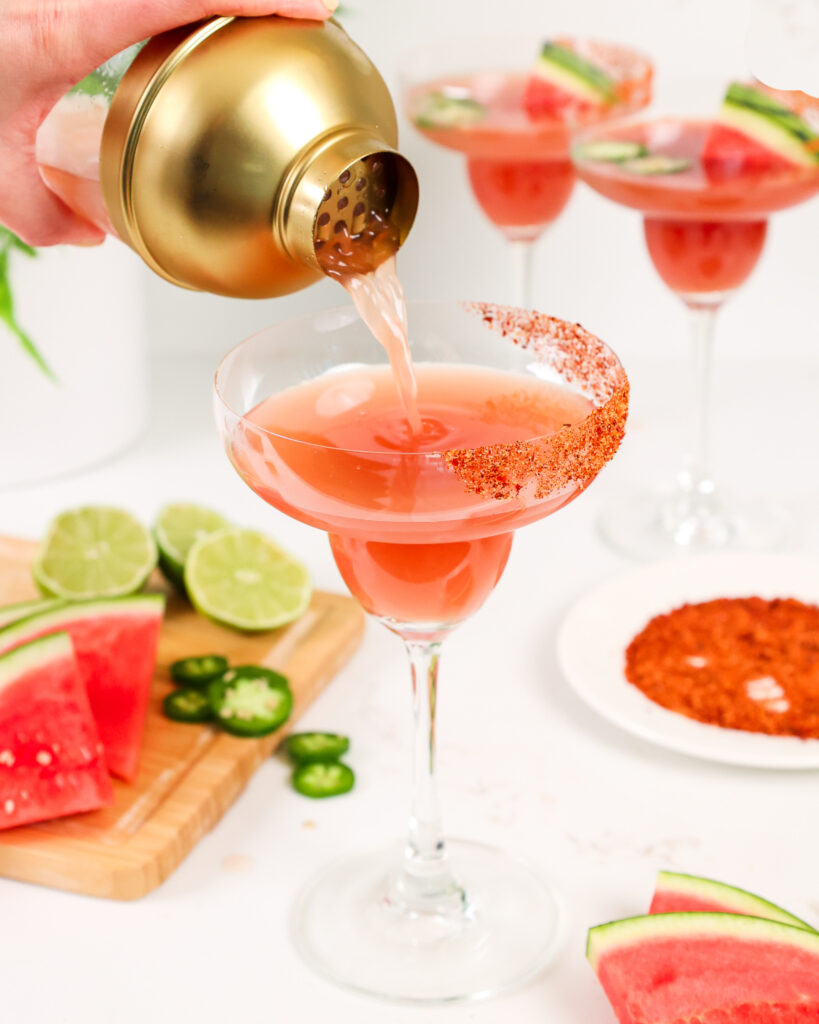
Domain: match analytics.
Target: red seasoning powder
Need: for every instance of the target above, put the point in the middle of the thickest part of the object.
(741, 663)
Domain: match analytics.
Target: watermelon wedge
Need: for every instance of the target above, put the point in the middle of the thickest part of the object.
(51, 761)
(115, 642)
(22, 609)
(565, 83)
(707, 969)
(677, 893)
(756, 133)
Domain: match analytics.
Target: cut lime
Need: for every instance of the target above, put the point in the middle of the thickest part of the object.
(94, 552)
(240, 578)
(177, 528)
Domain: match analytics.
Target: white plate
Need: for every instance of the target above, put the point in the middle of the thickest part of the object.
(597, 630)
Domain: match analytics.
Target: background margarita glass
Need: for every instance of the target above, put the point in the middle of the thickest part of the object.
(421, 528)
(706, 193)
(513, 128)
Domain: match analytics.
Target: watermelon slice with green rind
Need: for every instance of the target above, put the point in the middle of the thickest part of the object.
(22, 609)
(678, 893)
(564, 81)
(755, 133)
(51, 760)
(707, 969)
(115, 641)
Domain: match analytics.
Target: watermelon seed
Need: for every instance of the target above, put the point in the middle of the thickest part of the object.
(7, 758)
(8, 807)
(43, 757)
(24, 794)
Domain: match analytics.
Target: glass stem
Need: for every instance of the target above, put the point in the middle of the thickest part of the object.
(696, 477)
(523, 252)
(426, 882)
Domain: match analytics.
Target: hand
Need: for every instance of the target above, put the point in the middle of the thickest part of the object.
(46, 47)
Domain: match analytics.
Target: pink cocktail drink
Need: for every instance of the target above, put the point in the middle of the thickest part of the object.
(514, 126)
(705, 225)
(411, 543)
(517, 414)
(706, 188)
(519, 166)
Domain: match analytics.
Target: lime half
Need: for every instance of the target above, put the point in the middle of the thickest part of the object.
(178, 527)
(94, 552)
(240, 578)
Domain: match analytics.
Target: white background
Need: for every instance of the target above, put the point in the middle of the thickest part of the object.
(523, 764)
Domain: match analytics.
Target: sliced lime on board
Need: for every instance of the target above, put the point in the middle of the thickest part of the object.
(240, 578)
(94, 552)
(177, 528)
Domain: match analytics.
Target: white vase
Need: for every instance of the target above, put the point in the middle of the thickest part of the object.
(83, 308)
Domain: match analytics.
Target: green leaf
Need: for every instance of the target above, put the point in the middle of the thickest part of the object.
(8, 242)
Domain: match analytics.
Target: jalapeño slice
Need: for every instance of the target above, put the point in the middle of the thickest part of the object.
(198, 671)
(318, 780)
(316, 747)
(187, 705)
(256, 672)
(251, 704)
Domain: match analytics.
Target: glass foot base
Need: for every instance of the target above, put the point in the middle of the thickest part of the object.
(651, 525)
(345, 928)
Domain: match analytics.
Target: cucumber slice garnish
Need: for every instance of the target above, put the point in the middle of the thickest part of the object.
(198, 671)
(656, 164)
(187, 706)
(316, 747)
(610, 151)
(318, 780)
(438, 110)
(250, 705)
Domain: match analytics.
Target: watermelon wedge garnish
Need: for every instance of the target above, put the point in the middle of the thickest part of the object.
(707, 969)
(566, 83)
(677, 893)
(51, 761)
(22, 609)
(756, 133)
(115, 641)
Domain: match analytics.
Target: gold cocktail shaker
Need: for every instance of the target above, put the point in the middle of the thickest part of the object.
(224, 139)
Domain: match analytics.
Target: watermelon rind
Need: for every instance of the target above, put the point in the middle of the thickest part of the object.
(755, 114)
(577, 76)
(730, 899)
(632, 930)
(13, 663)
(135, 604)
(10, 613)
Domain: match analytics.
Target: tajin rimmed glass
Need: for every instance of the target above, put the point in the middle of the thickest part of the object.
(705, 227)
(421, 538)
(517, 158)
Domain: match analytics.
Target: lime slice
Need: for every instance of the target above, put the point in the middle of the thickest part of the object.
(240, 578)
(94, 552)
(177, 528)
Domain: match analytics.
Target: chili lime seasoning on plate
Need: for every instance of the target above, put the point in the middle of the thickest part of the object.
(740, 663)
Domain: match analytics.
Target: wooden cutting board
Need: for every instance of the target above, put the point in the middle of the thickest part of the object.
(189, 775)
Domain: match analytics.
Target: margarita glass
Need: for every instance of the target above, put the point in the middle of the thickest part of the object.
(520, 411)
(706, 195)
(516, 146)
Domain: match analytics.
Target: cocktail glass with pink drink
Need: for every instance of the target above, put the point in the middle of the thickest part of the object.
(706, 187)
(519, 412)
(512, 116)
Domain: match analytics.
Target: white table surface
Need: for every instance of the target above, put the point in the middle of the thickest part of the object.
(522, 763)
